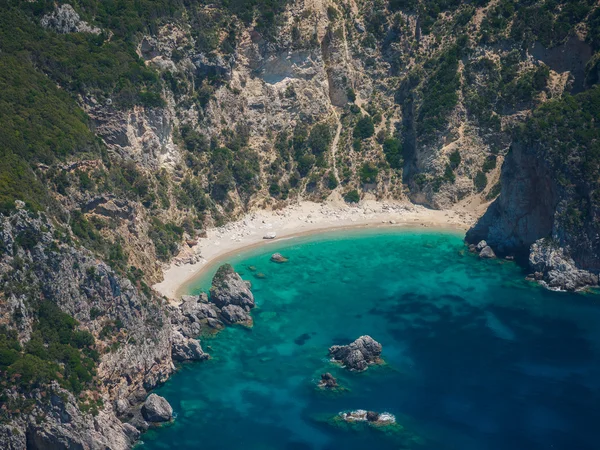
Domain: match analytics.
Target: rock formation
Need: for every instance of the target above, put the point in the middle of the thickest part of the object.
(358, 355)
(328, 381)
(278, 258)
(157, 409)
(232, 296)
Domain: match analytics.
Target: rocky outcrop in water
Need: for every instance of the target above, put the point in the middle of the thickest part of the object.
(328, 381)
(534, 217)
(358, 355)
(157, 409)
(278, 258)
(232, 296)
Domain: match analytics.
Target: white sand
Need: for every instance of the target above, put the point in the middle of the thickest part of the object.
(299, 219)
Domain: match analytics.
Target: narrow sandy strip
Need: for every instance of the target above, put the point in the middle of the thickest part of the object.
(296, 220)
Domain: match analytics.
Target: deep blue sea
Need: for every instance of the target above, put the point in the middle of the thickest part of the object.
(476, 357)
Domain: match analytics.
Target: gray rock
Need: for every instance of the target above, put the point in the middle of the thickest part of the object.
(157, 409)
(359, 354)
(64, 19)
(487, 252)
(556, 270)
(270, 235)
(121, 406)
(481, 245)
(235, 314)
(228, 288)
(187, 349)
(278, 258)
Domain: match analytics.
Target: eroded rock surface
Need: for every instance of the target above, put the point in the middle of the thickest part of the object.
(157, 409)
(358, 355)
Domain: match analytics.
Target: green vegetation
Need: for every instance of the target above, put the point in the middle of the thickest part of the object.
(319, 138)
(57, 350)
(392, 148)
(166, 238)
(480, 181)
(439, 95)
(368, 173)
(352, 196)
(364, 128)
(568, 129)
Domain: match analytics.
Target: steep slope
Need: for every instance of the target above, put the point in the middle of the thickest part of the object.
(128, 128)
(549, 205)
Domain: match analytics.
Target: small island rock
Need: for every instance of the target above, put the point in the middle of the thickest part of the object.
(157, 409)
(278, 258)
(357, 355)
(328, 381)
(228, 288)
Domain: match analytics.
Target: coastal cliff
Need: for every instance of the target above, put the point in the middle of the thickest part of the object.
(128, 130)
(548, 209)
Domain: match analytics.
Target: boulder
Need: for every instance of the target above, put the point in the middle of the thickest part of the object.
(278, 258)
(157, 409)
(481, 245)
(358, 355)
(270, 235)
(487, 252)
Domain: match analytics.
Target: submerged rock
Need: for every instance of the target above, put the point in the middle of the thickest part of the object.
(358, 355)
(328, 381)
(278, 258)
(157, 409)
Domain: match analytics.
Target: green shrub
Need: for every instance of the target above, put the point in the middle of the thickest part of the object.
(364, 128)
(454, 159)
(332, 182)
(352, 196)
(392, 148)
(166, 238)
(368, 173)
(480, 181)
(319, 138)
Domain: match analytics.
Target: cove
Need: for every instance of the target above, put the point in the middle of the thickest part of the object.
(476, 357)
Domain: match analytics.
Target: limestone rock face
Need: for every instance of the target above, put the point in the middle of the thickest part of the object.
(228, 288)
(157, 409)
(64, 19)
(186, 349)
(557, 270)
(358, 355)
(528, 218)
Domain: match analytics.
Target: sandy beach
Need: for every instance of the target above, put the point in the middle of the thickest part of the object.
(296, 220)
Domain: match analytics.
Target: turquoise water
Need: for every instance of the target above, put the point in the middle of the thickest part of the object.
(476, 357)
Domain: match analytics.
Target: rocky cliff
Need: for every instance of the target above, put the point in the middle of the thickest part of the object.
(548, 208)
(129, 129)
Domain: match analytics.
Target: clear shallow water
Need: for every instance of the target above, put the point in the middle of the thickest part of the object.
(477, 358)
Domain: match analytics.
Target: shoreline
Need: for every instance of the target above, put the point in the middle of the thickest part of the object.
(298, 220)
